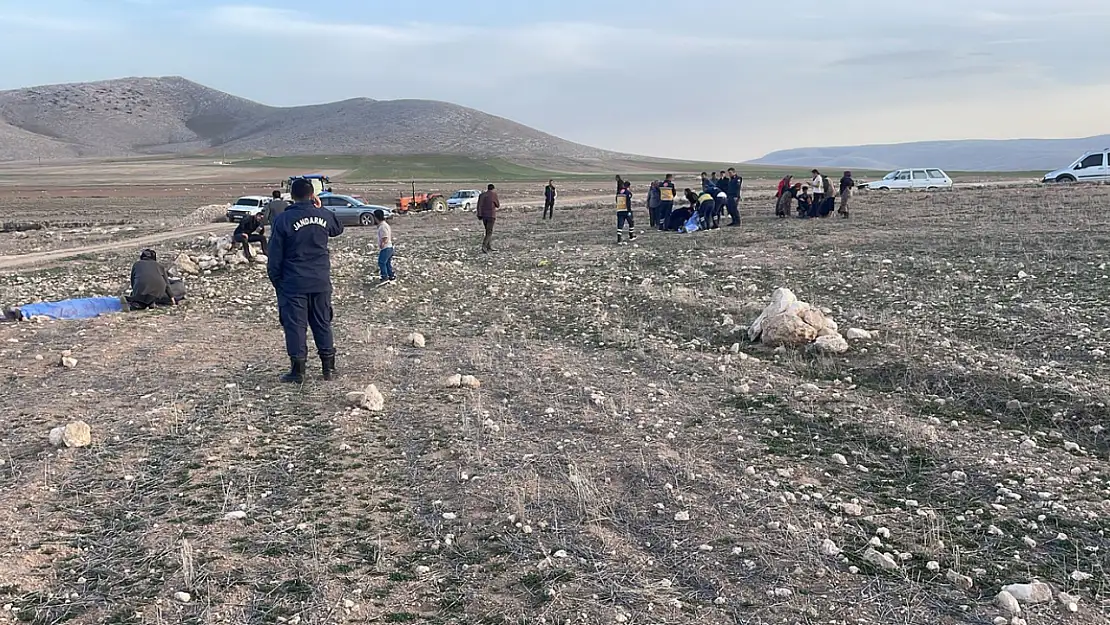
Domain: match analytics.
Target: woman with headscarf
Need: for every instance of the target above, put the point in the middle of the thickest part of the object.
(150, 283)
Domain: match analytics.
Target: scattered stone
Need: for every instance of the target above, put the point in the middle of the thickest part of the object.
(856, 334)
(69, 362)
(76, 434)
(810, 388)
(963, 582)
(454, 381)
(959, 476)
(182, 597)
(1013, 405)
(1008, 603)
(851, 509)
(880, 560)
(185, 265)
(829, 548)
(1080, 576)
(933, 566)
(1033, 592)
(416, 340)
(369, 398)
(682, 515)
(840, 459)
(831, 344)
(235, 515)
(470, 381)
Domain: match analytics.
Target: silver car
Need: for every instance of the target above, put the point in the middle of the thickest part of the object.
(352, 211)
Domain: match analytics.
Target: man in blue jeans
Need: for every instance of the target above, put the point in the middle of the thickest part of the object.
(385, 247)
(299, 267)
(733, 188)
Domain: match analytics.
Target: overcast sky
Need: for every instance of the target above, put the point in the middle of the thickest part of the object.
(722, 80)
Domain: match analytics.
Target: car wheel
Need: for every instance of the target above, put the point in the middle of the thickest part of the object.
(1065, 179)
(884, 188)
(366, 219)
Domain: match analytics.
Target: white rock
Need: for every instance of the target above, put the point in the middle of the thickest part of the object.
(454, 381)
(963, 582)
(1070, 602)
(831, 344)
(856, 334)
(1080, 576)
(470, 381)
(1013, 405)
(69, 362)
(829, 548)
(182, 597)
(851, 509)
(1007, 602)
(1034, 592)
(682, 515)
(839, 459)
(185, 265)
(933, 565)
(881, 560)
(57, 436)
(373, 400)
(787, 330)
(959, 476)
(235, 515)
(781, 299)
(422, 570)
(810, 388)
(416, 340)
(76, 434)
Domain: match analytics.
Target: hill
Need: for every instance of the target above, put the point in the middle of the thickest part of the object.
(172, 115)
(971, 155)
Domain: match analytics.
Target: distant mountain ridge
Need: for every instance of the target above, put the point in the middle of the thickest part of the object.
(968, 155)
(172, 115)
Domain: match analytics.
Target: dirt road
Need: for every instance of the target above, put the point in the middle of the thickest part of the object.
(36, 258)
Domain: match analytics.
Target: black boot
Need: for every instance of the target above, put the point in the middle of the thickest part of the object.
(296, 372)
(327, 365)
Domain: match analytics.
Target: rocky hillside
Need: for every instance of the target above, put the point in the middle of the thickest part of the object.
(172, 115)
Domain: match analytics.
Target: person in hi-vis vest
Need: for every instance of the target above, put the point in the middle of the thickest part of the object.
(624, 212)
(666, 200)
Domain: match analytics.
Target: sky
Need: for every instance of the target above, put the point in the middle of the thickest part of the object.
(724, 80)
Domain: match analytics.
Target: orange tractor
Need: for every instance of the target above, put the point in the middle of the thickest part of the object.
(421, 202)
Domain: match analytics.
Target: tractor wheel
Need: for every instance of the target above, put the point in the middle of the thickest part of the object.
(437, 204)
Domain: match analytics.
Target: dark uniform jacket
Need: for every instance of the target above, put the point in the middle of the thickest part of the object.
(733, 187)
(250, 225)
(298, 259)
(666, 191)
(149, 282)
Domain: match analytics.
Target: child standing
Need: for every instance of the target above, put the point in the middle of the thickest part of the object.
(385, 247)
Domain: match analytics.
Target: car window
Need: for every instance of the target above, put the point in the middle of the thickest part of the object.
(246, 202)
(1094, 160)
(919, 174)
(891, 176)
(936, 173)
(903, 175)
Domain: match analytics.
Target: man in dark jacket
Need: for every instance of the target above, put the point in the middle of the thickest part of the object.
(847, 186)
(487, 214)
(275, 207)
(653, 202)
(150, 283)
(624, 213)
(549, 195)
(299, 267)
(733, 188)
(251, 230)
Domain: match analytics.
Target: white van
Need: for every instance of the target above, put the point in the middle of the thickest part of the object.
(930, 178)
(1091, 167)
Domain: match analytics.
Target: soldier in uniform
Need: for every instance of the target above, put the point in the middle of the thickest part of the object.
(624, 212)
(300, 269)
(666, 200)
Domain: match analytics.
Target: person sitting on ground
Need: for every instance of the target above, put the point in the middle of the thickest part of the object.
(150, 283)
(805, 200)
(251, 230)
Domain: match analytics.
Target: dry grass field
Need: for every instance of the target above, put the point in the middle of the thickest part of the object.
(629, 457)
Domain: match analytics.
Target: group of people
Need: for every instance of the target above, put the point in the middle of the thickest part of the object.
(718, 196)
(816, 199)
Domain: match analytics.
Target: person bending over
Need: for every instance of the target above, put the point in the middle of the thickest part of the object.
(150, 283)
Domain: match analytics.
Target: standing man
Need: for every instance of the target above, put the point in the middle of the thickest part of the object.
(624, 213)
(300, 270)
(817, 187)
(847, 188)
(275, 207)
(733, 189)
(707, 185)
(252, 229)
(549, 195)
(666, 200)
(653, 202)
(487, 214)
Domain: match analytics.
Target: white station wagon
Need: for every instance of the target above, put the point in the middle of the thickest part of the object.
(928, 179)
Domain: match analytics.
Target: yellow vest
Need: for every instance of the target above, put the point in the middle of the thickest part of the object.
(622, 202)
(704, 197)
(666, 194)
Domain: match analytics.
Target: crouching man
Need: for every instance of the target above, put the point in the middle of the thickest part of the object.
(299, 267)
(251, 230)
(151, 285)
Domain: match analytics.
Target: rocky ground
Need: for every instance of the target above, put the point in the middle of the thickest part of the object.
(620, 453)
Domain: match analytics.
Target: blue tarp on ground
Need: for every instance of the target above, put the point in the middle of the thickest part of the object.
(83, 308)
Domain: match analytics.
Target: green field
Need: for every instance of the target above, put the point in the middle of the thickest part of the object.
(361, 169)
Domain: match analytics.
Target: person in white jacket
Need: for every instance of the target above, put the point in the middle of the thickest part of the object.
(817, 187)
